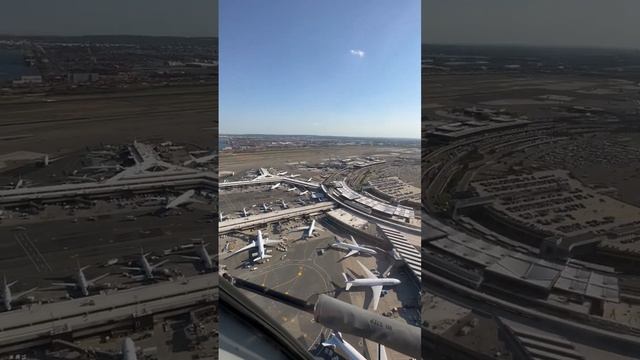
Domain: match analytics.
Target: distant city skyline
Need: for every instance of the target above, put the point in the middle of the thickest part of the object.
(335, 68)
(193, 18)
(318, 135)
(567, 23)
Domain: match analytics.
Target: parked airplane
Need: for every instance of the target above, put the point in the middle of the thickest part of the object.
(46, 160)
(81, 283)
(282, 173)
(310, 179)
(264, 173)
(103, 153)
(294, 176)
(266, 207)
(202, 256)
(284, 204)
(82, 178)
(7, 297)
(104, 167)
(336, 341)
(352, 248)
(223, 217)
(304, 193)
(244, 212)
(292, 189)
(309, 230)
(372, 281)
(259, 244)
(146, 269)
(184, 199)
(275, 186)
(200, 160)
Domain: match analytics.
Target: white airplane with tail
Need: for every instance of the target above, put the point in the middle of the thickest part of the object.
(244, 212)
(294, 176)
(184, 199)
(276, 186)
(82, 284)
(336, 341)
(265, 207)
(223, 217)
(259, 243)
(375, 283)
(284, 204)
(7, 297)
(292, 189)
(304, 193)
(200, 160)
(283, 173)
(353, 248)
(309, 230)
(202, 256)
(148, 270)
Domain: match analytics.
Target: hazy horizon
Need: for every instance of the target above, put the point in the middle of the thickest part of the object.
(544, 23)
(195, 18)
(105, 35)
(320, 135)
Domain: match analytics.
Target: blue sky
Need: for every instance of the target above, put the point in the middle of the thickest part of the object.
(326, 67)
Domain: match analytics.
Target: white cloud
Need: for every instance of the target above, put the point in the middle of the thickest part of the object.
(357, 52)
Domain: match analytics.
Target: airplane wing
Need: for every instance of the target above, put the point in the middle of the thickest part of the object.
(331, 342)
(99, 277)
(353, 240)
(130, 268)
(21, 294)
(350, 253)
(65, 284)
(160, 263)
(382, 353)
(377, 290)
(139, 277)
(388, 271)
(367, 272)
(272, 242)
(252, 245)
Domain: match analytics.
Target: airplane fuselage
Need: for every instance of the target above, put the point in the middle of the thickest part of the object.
(345, 348)
(375, 282)
(358, 248)
(260, 245)
(82, 283)
(6, 297)
(309, 232)
(206, 259)
(129, 350)
(146, 267)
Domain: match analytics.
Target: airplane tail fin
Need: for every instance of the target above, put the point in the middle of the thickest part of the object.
(347, 281)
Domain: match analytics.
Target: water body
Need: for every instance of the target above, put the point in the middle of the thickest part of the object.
(12, 65)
